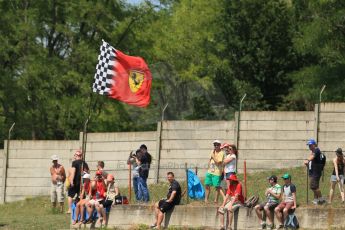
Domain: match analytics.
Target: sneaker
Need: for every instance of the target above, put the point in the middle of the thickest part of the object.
(270, 226)
(280, 226)
(221, 210)
(153, 225)
(263, 226)
(315, 201)
(322, 200)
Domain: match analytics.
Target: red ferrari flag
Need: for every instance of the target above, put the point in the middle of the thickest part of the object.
(122, 77)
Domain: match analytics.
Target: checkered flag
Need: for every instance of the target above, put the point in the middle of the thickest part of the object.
(104, 69)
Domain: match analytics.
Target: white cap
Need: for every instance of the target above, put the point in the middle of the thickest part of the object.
(86, 176)
(55, 158)
(216, 141)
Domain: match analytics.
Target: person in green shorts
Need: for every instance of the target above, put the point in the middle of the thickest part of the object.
(213, 176)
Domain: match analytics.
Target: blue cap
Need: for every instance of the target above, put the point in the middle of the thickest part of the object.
(311, 142)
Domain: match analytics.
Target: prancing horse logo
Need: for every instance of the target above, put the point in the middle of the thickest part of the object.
(135, 80)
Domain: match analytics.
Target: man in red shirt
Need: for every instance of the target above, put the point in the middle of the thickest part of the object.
(232, 202)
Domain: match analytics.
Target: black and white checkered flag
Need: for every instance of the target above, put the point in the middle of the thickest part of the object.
(104, 69)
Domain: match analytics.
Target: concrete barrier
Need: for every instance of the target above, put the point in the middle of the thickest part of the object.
(126, 216)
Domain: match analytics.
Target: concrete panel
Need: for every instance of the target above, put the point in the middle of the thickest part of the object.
(122, 136)
(186, 144)
(28, 191)
(198, 125)
(28, 182)
(198, 134)
(273, 154)
(40, 153)
(332, 127)
(332, 117)
(332, 136)
(31, 163)
(274, 145)
(40, 144)
(28, 172)
(276, 135)
(332, 107)
(277, 116)
(124, 146)
(194, 154)
(2, 153)
(331, 145)
(277, 125)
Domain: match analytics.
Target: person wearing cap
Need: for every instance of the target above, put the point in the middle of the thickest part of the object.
(97, 196)
(289, 201)
(84, 198)
(273, 195)
(78, 167)
(58, 177)
(213, 176)
(315, 168)
(100, 167)
(232, 202)
(337, 176)
(229, 161)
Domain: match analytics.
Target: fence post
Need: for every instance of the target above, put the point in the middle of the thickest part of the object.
(130, 182)
(185, 165)
(158, 150)
(5, 167)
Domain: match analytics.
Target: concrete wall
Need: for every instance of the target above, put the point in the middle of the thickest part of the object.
(114, 149)
(2, 157)
(190, 142)
(274, 139)
(29, 163)
(206, 218)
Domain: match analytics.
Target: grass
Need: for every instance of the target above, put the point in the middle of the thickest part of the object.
(36, 213)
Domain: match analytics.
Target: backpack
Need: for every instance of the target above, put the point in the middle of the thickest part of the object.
(291, 222)
(250, 203)
(322, 160)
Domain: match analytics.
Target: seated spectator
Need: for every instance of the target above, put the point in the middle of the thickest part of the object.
(97, 196)
(273, 194)
(112, 191)
(164, 205)
(289, 200)
(84, 198)
(337, 176)
(233, 201)
(100, 167)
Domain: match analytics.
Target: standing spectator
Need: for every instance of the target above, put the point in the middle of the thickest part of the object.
(289, 201)
(135, 171)
(315, 168)
(100, 167)
(214, 173)
(58, 177)
(78, 165)
(229, 161)
(164, 205)
(233, 201)
(273, 194)
(144, 161)
(337, 176)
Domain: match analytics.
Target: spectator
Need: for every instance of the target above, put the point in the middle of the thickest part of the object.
(143, 161)
(97, 197)
(58, 176)
(315, 169)
(78, 165)
(232, 202)
(84, 198)
(164, 205)
(135, 172)
(273, 194)
(112, 191)
(289, 201)
(214, 174)
(229, 161)
(337, 176)
(100, 167)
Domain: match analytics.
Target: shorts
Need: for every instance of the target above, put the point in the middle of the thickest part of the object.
(234, 208)
(96, 202)
(314, 182)
(286, 205)
(334, 178)
(271, 205)
(165, 206)
(212, 180)
(227, 175)
(57, 193)
(72, 190)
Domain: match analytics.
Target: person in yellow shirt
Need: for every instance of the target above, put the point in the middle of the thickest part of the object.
(213, 176)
